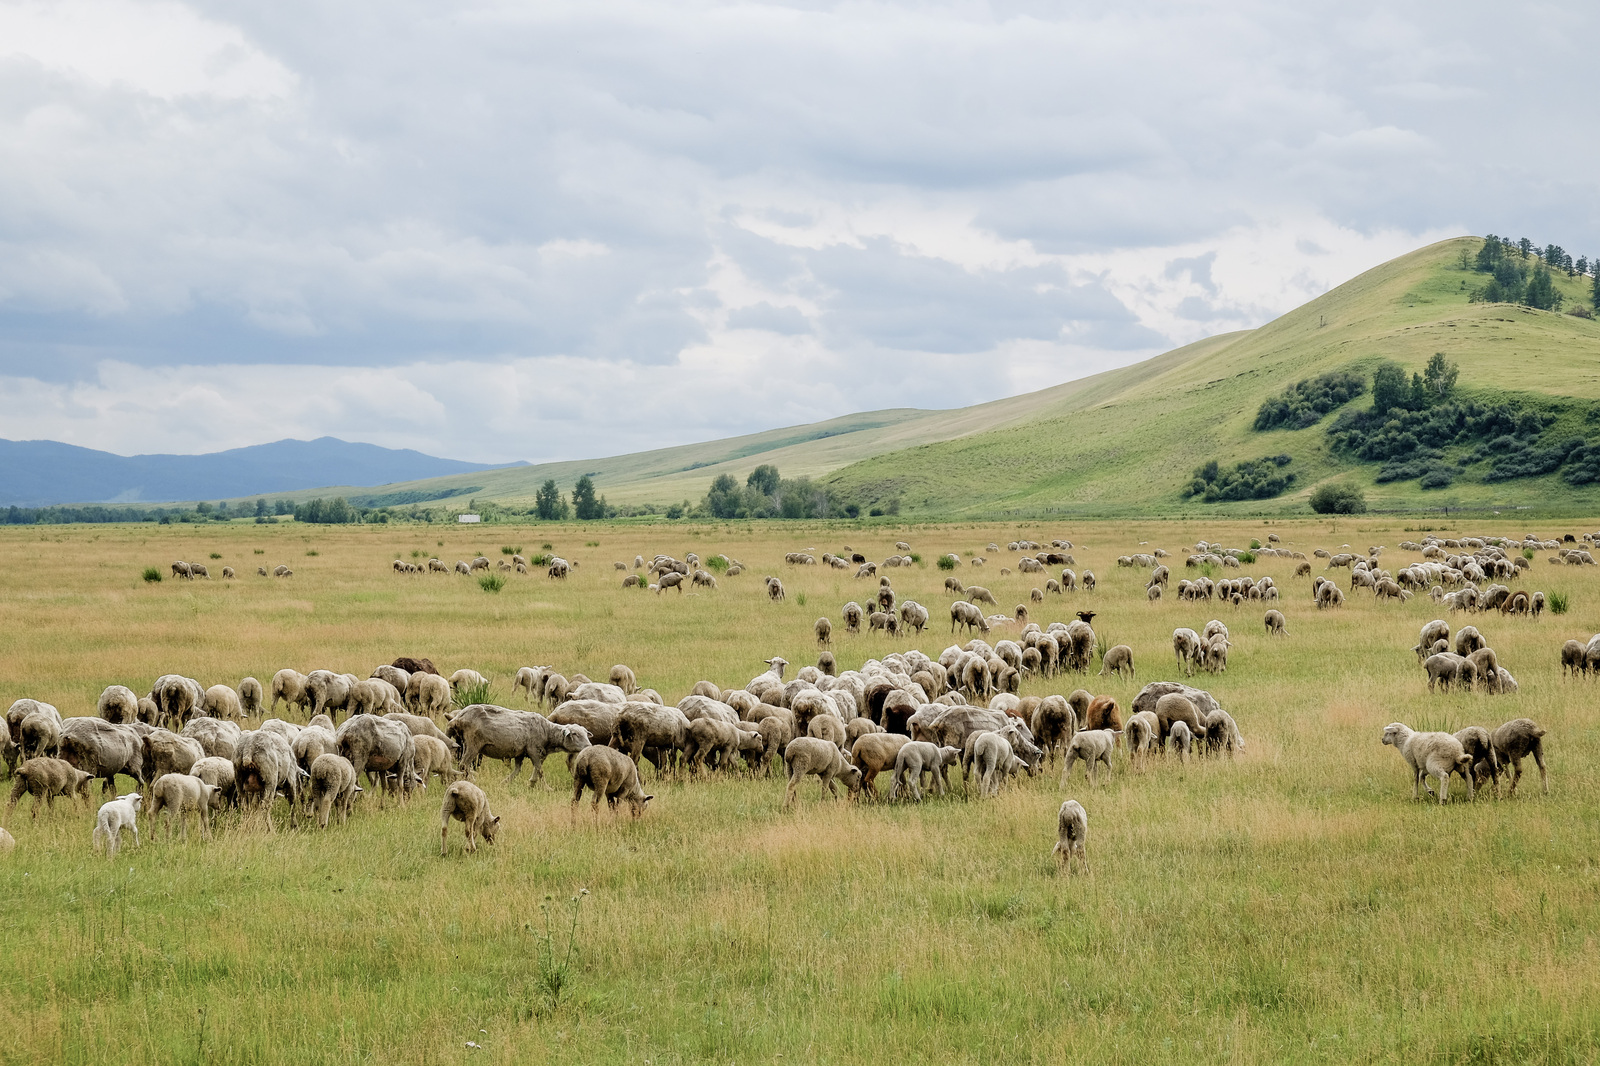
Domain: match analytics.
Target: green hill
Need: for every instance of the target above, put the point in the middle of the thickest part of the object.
(1126, 441)
(1129, 445)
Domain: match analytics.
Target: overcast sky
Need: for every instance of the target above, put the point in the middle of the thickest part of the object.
(550, 230)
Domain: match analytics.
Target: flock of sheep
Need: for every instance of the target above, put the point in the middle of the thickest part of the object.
(915, 717)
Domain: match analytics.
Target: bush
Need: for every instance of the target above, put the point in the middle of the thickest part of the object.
(1247, 557)
(152, 573)
(313, 552)
(216, 555)
(916, 558)
(506, 549)
(1338, 499)
(1253, 479)
(946, 563)
(1527, 553)
(719, 563)
(540, 559)
(1305, 402)
(491, 582)
(1558, 603)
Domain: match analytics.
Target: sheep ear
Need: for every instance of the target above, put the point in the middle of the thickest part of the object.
(647, 799)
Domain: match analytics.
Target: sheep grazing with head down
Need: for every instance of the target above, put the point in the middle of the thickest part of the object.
(812, 755)
(1093, 746)
(1429, 754)
(1514, 740)
(610, 774)
(466, 803)
(1117, 659)
(1072, 836)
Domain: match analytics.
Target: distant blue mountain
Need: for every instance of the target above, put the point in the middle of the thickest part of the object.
(38, 473)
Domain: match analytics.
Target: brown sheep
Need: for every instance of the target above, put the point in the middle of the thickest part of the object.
(611, 774)
(466, 803)
(46, 778)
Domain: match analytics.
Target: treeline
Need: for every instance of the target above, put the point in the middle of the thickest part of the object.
(1520, 272)
(201, 512)
(766, 494)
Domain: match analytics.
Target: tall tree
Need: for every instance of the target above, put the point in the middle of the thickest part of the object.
(1390, 389)
(764, 479)
(1594, 292)
(1524, 246)
(585, 506)
(1553, 255)
(1583, 265)
(724, 500)
(547, 502)
(1440, 377)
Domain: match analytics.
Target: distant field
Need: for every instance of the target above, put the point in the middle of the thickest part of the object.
(1293, 905)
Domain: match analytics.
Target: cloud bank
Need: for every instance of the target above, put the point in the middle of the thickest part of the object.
(506, 231)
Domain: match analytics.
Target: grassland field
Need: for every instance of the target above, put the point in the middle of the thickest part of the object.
(1291, 905)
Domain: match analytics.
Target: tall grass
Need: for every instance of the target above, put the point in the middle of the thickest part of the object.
(491, 582)
(1290, 905)
(465, 695)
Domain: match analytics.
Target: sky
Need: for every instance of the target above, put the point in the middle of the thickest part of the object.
(496, 231)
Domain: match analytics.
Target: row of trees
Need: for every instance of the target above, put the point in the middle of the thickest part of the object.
(1391, 390)
(550, 506)
(1511, 281)
(767, 494)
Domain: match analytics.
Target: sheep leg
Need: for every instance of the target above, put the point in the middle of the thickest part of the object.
(1511, 793)
(1544, 777)
(1444, 786)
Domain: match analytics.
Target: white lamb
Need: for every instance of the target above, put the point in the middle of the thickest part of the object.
(115, 816)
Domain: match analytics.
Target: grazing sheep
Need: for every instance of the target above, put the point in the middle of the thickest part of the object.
(1072, 836)
(1182, 740)
(216, 737)
(1574, 658)
(1512, 741)
(502, 733)
(46, 778)
(1435, 754)
(118, 705)
(1117, 659)
(103, 749)
(115, 816)
(264, 763)
(1222, 733)
(775, 589)
(466, 803)
(1275, 623)
(290, 687)
(250, 697)
(179, 794)
(1093, 746)
(1479, 746)
(333, 786)
(429, 694)
(218, 773)
(166, 752)
(433, 757)
(1469, 640)
(871, 755)
(920, 757)
(1102, 713)
(1188, 648)
(1446, 668)
(1141, 731)
(811, 755)
(222, 702)
(994, 760)
(609, 774)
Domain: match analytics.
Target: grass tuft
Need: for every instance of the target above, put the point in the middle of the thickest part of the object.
(469, 694)
(216, 555)
(506, 549)
(1558, 603)
(800, 598)
(153, 574)
(946, 563)
(313, 551)
(491, 582)
(540, 559)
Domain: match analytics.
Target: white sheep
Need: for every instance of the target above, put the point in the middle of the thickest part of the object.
(1093, 746)
(1435, 754)
(115, 816)
(1072, 836)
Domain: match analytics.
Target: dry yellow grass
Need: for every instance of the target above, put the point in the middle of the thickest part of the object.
(1291, 905)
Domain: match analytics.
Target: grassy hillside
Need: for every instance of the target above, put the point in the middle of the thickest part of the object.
(1124, 441)
(1129, 449)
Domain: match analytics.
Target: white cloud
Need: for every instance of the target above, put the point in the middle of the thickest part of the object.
(469, 228)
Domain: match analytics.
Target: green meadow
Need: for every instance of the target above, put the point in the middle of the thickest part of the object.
(1291, 905)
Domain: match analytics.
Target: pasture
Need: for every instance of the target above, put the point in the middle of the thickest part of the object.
(1291, 905)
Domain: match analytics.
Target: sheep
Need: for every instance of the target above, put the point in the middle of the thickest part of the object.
(920, 757)
(1512, 741)
(179, 794)
(250, 697)
(1469, 640)
(966, 614)
(1222, 732)
(979, 594)
(290, 687)
(466, 803)
(1479, 746)
(46, 778)
(433, 756)
(1275, 623)
(993, 759)
(103, 749)
(429, 694)
(1141, 731)
(1447, 667)
(869, 756)
(1117, 659)
(216, 737)
(1182, 740)
(115, 816)
(166, 752)
(333, 786)
(623, 677)
(646, 725)
(1072, 836)
(118, 705)
(1188, 648)
(222, 702)
(609, 774)
(1435, 754)
(35, 728)
(811, 755)
(1093, 746)
(218, 773)
(502, 733)
(775, 590)
(264, 763)
(1102, 713)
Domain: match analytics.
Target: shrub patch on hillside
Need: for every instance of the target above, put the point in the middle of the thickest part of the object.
(1305, 402)
(1253, 479)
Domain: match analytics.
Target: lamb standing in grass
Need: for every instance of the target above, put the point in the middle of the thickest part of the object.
(1072, 836)
(1093, 746)
(609, 774)
(811, 755)
(115, 816)
(1435, 754)
(466, 803)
